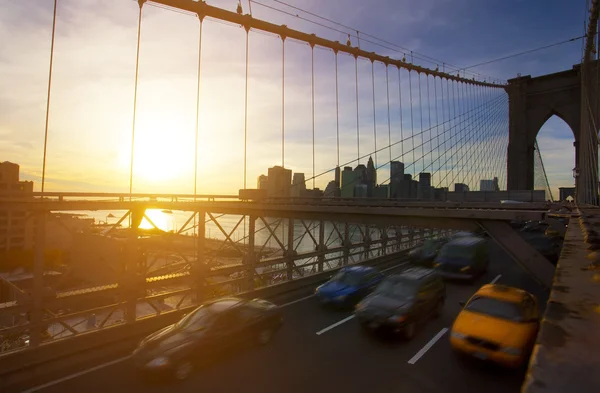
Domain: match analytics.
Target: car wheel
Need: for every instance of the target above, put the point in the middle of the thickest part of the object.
(183, 370)
(409, 331)
(265, 336)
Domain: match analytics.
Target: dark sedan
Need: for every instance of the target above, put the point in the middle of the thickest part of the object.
(208, 330)
(402, 301)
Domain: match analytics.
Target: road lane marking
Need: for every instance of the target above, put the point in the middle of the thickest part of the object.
(394, 267)
(496, 279)
(297, 301)
(427, 346)
(328, 328)
(75, 375)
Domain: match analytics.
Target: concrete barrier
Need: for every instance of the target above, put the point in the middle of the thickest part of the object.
(566, 355)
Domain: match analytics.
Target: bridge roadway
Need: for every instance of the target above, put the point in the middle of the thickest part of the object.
(342, 358)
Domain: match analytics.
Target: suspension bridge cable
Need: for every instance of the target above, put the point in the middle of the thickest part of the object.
(312, 82)
(487, 135)
(481, 152)
(200, 18)
(48, 95)
(358, 33)
(437, 132)
(451, 173)
(283, 101)
(246, 109)
(387, 87)
(398, 142)
(337, 109)
(374, 112)
(357, 112)
(135, 91)
(449, 130)
(412, 128)
(421, 115)
(428, 113)
(400, 106)
(523, 53)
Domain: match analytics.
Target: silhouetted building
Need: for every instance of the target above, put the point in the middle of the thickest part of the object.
(332, 190)
(425, 191)
(280, 180)
(314, 193)
(396, 177)
(298, 186)
(565, 192)
(371, 179)
(349, 180)
(337, 178)
(414, 189)
(486, 185)
(360, 191)
(381, 191)
(16, 231)
(262, 182)
(460, 187)
(496, 185)
(439, 194)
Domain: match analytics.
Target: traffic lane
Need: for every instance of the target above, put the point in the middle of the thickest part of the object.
(463, 374)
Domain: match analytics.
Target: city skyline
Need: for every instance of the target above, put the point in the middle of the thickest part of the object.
(91, 105)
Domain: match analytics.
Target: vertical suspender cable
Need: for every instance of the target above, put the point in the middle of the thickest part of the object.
(421, 131)
(200, 18)
(429, 123)
(444, 132)
(437, 131)
(246, 109)
(312, 84)
(412, 130)
(374, 113)
(401, 121)
(48, 96)
(357, 124)
(137, 71)
(197, 108)
(456, 126)
(283, 101)
(387, 85)
(337, 109)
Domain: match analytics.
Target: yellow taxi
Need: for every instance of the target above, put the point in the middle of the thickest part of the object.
(499, 324)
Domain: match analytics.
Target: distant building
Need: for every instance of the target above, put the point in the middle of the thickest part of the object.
(280, 181)
(332, 190)
(424, 189)
(371, 177)
(360, 191)
(381, 191)
(487, 185)
(263, 182)
(396, 177)
(496, 185)
(460, 187)
(337, 176)
(298, 186)
(16, 231)
(349, 180)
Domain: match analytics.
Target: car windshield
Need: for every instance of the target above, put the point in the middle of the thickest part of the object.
(397, 288)
(456, 254)
(201, 317)
(349, 278)
(497, 308)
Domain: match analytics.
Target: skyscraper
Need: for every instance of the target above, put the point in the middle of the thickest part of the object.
(371, 179)
(280, 180)
(337, 176)
(262, 182)
(298, 185)
(349, 178)
(486, 185)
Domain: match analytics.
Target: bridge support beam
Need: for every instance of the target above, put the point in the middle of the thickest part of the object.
(523, 253)
(250, 258)
(322, 247)
(37, 312)
(290, 250)
(199, 267)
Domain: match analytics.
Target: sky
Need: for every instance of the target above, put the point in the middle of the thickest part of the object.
(91, 106)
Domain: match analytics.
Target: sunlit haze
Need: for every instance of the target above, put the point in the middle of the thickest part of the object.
(90, 121)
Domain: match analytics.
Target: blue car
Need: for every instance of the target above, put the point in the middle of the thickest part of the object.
(348, 286)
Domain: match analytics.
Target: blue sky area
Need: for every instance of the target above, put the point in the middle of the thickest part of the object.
(91, 107)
